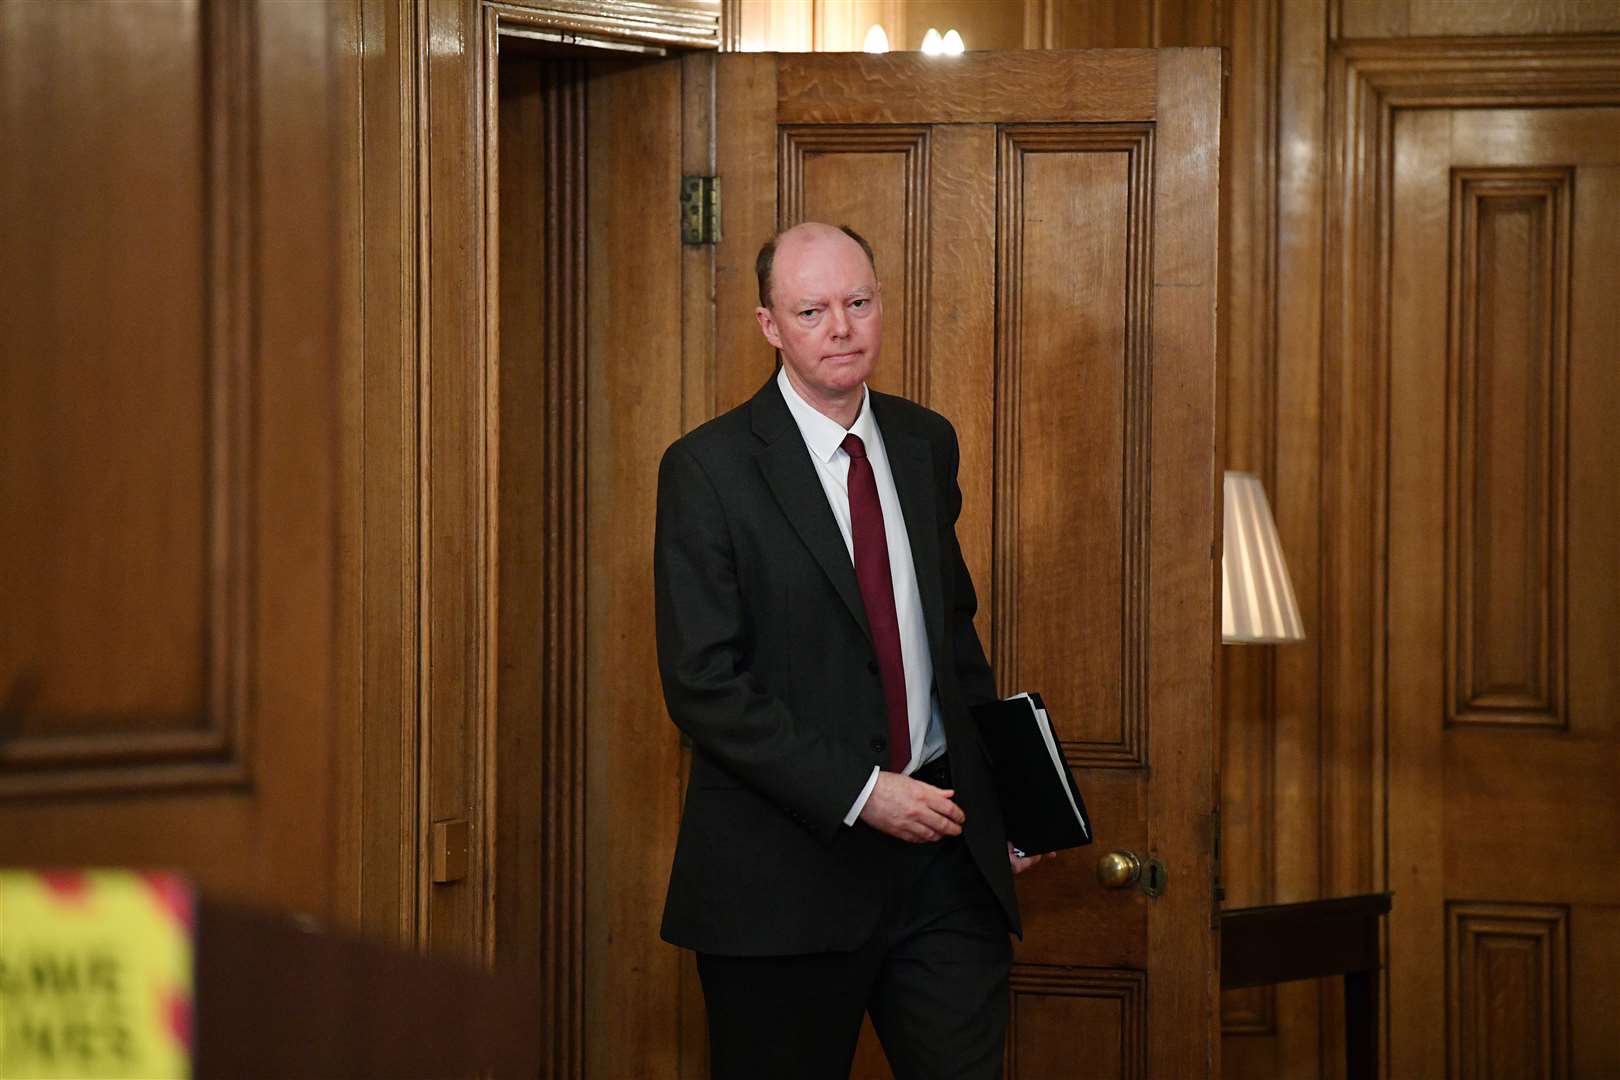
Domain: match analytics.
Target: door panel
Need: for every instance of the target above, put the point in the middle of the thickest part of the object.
(1049, 286)
(1504, 699)
(174, 643)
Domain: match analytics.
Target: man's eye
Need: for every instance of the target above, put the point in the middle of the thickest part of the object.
(808, 313)
(859, 303)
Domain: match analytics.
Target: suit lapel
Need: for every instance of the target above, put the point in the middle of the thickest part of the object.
(791, 477)
(911, 459)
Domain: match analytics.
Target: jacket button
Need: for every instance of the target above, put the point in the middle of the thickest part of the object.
(879, 744)
(871, 665)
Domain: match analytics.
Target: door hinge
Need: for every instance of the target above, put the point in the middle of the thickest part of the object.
(700, 209)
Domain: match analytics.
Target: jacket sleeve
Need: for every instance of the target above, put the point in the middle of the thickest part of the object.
(705, 630)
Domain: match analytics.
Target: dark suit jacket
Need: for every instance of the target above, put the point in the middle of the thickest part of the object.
(768, 666)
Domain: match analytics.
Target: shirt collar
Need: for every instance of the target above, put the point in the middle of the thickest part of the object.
(822, 434)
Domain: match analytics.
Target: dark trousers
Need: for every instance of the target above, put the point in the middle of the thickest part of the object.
(933, 977)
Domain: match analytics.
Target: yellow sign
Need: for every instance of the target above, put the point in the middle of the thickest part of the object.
(95, 975)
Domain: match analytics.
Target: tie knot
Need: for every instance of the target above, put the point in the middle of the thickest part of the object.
(853, 446)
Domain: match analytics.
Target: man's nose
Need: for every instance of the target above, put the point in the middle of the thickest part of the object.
(840, 322)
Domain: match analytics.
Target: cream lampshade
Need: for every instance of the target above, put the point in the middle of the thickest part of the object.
(1257, 599)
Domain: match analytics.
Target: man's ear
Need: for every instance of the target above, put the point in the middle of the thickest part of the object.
(767, 326)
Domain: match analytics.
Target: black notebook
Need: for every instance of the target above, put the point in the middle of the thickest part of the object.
(1039, 800)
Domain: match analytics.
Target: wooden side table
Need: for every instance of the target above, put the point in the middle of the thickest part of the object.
(1317, 938)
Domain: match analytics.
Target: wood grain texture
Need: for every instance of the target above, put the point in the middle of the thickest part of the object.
(1523, 812)
(699, 154)
(1474, 18)
(1508, 440)
(1507, 966)
(634, 409)
(1250, 822)
(1103, 1011)
(961, 328)
(129, 665)
(1012, 87)
(452, 512)
(1072, 428)
(1416, 783)
(1184, 558)
(538, 855)
(383, 795)
(687, 24)
(153, 298)
(746, 149)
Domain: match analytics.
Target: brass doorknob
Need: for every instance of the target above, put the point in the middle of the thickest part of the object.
(1118, 869)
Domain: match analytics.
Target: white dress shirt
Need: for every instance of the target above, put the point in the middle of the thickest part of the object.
(823, 438)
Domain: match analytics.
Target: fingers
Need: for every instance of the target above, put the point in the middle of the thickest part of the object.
(931, 817)
(940, 801)
(913, 811)
(1020, 863)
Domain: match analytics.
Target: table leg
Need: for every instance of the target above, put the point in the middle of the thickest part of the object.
(1361, 1025)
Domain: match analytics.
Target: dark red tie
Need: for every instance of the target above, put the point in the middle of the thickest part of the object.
(877, 593)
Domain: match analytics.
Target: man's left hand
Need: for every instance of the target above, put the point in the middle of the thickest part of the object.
(1020, 863)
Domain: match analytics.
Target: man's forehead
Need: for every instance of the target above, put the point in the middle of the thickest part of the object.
(811, 262)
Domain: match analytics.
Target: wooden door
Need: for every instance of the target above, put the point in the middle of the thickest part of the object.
(176, 653)
(1045, 228)
(1503, 599)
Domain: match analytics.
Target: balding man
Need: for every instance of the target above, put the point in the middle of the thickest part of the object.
(841, 850)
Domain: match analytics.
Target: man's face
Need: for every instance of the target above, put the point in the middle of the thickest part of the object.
(825, 315)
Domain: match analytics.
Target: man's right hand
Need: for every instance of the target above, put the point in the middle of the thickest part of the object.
(912, 810)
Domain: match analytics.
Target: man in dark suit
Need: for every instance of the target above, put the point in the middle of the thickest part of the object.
(841, 850)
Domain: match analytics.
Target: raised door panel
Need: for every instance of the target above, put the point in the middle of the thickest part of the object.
(1504, 807)
(169, 430)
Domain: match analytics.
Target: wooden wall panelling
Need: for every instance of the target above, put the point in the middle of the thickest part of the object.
(1509, 369)
(634, 409)
(746, 155)
(1417, 455)
(1248, 728)
(961, 331)
(537, 805)
(1478, 18)
(681, 24)
(453, 432)
(1392, 117)
(699, 153)
(176, 245)
(913, 88)
(1097, 24)
(1507, 966)
(1107, 235)
(1305, 1009)
(1593, 528)
(142, 680)
(1103, 1011)
(383, 793)
(1184, 564)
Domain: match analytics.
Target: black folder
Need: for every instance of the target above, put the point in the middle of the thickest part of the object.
(1040, 802)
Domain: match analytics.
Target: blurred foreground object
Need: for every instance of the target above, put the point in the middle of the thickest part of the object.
(128, 975)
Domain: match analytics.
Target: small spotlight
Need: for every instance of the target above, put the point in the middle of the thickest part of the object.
(932, 43)
(952, 45)
(876, 40)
